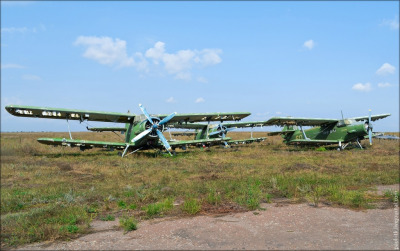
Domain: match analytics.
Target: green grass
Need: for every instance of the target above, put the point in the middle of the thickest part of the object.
(52, 193)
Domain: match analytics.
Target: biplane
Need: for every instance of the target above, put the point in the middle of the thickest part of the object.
(325, 131)
(219, 131)
(142, 132)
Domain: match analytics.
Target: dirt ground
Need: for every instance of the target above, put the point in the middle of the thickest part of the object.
(278, 226)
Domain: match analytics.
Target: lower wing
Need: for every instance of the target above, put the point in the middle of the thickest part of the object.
(81, 143)
(314, 141)
(197, 142)
(246, 141)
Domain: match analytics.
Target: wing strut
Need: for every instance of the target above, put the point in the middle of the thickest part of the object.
(69, 130)
(208, 125)
(304, 134)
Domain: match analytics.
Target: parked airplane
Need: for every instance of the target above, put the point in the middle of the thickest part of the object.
(326, 131)
(142, 131)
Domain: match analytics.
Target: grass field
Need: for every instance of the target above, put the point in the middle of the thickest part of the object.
(50, 193)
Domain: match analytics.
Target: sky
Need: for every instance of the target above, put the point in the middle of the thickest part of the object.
(300, 59)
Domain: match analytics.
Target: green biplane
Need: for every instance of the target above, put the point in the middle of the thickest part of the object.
(142, 132)
(325, 131)
(219, 131)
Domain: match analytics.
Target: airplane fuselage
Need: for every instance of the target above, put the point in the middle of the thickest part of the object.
(346, 133)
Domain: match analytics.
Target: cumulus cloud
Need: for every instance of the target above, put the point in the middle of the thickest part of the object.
(386, 69)
(30, 77)
(11, 66)
(105, 50)
(362, 87)
(392, 23)
(309, 44)
(199, 100)
(170, 100)
(384, 85)
(113, 52)
(181, 62)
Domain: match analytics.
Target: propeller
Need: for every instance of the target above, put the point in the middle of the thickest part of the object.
(370, 127)
(155, 125)
(222, 130)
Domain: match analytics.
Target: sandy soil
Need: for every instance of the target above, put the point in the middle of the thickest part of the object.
(291, 226)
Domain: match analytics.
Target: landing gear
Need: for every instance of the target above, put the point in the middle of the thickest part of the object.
(342, 147)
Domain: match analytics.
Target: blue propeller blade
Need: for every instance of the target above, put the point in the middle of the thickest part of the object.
(146, 114)
(213, 133)
(230, 129)
(166, 119)
(141, 135)
(164, 141)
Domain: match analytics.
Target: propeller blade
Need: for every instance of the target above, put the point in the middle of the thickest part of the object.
(369, 128)
(230, 129)
(370, 136)
(166, 119)
(141, 135)
(213, 133)
(146, 114)
(164, 141)
(223, 135)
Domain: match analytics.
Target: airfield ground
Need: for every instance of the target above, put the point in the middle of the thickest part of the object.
(52, 194)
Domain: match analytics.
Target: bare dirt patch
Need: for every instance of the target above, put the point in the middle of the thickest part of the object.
(298, 226)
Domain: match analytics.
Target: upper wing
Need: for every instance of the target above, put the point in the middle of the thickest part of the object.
(70, 114)
(246, 124)
(107, 129)
(281, 121)
(205, 117)
(188, 126)
(202, 126)
(373, 117)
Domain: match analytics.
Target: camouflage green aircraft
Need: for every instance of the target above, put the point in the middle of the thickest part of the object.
(142, 131)
(326, 131)
(215, 131)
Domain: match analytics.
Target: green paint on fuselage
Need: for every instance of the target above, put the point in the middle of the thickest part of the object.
(335, 133)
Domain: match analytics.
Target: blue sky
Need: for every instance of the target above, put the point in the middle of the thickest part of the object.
(304, 59)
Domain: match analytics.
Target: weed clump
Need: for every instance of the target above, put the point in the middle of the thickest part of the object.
(191, 206)
(128, 223)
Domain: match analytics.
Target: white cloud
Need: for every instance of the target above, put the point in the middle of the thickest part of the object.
(392, 23)
(181, 62)
(106, 50)
(113, 52)
(383, 85)
(31, 77)
(11, 66)
(199, 100)
(362, 87)
(183, 76)
(202, 80)
(278, 113)
(386, 69)
(14, 30)
(309, 44)
(22, 29)
(170, 100)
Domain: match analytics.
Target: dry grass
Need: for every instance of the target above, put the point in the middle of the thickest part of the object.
(51, 193)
